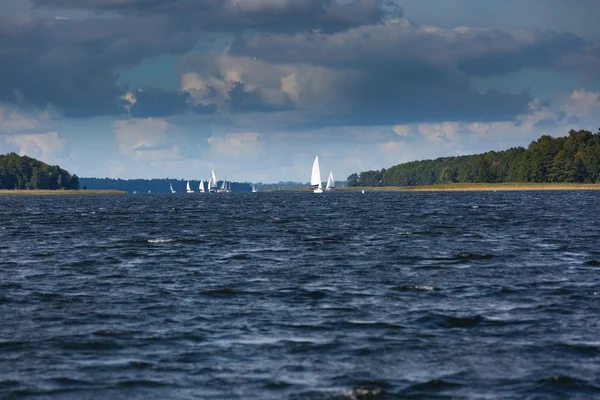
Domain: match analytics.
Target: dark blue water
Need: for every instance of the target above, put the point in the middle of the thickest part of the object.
(301, 296)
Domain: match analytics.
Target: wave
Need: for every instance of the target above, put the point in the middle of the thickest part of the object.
(159, 241)
(425, 288)
(434, 385)
(449, 321)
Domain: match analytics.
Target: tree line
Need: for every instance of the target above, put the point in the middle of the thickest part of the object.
(574, 158)
(22, 172)
(161, 185)
(157, 185)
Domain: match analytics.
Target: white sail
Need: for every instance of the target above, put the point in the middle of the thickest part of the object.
(330, 182)
(213, 180)
(315, 177)
(253, 188)
(171, 186)
(201, 186)
(188, 188)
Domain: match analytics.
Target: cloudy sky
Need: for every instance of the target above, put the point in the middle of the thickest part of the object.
(256, 88)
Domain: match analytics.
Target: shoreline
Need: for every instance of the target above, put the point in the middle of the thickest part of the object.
(473, 187)
(461, 187)
(41, 192)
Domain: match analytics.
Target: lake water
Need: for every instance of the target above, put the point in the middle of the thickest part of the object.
(470, 295)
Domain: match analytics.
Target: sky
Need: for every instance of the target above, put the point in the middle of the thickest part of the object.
(255, 89)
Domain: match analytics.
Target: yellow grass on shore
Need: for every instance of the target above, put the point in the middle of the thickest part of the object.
(457, 187)
(57, 192)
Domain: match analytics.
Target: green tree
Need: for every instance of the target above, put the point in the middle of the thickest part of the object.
(446, 176)
(18, 172)
(352, 180)
(574, 158)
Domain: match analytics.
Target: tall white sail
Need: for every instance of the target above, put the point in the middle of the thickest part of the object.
(171, 187)
(201, 186)
(253, 188)
(330, 182)
(315, 177)
(188, 188)
(213, 180)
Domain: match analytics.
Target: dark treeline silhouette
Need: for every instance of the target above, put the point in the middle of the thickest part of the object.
(153, 185)
(18, 172)
(575, 158)
(162, 185)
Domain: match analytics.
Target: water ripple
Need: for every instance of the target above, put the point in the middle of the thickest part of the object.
(298, 296)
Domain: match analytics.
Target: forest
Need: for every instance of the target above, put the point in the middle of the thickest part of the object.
(157, 185)
(22, 172)
(574, 158)
(161, 185)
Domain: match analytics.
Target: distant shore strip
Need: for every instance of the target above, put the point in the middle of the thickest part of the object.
(36, 192)
(467, 187)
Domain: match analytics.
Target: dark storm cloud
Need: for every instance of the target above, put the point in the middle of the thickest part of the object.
(241, 99)
(72, 65)
(152, 102)
(340, 62)
(234, 15)
(396, 104)
(472, 51)
(406, 73)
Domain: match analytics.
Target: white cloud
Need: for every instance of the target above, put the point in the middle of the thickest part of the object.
(246, 144)
(402, 130)
(309, 87)
(440, 133)
(129, 97)
(583, 103)
(12, 121)
(47, 147)
(144, 138)
(32, 134)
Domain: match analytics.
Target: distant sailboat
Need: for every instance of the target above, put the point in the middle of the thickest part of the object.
(171, 186)
(253, 188)
(212, 182)
(315, 177)
(201, 186)
(188, 188)
(330, 182)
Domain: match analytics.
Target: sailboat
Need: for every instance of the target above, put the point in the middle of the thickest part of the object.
(253, 188)
(315, 177)
(188, 188)
(171, 186)
(201, 186)
(212, 182)
(330, 182)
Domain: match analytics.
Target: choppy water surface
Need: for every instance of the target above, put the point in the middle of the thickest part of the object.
(301, 296)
